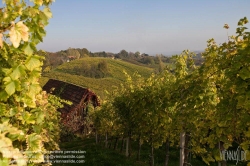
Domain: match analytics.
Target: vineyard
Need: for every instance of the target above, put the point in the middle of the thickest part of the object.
(171, 117)
(115, 76)
(29, 121)
(206, 107)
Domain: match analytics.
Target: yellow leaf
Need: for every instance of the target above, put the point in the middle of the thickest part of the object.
(39, 2)
(15, 37)
(1, 40)
(23, 30)
(47, 12)
(17, 32)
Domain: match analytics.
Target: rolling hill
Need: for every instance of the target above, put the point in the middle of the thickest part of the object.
(75, 72)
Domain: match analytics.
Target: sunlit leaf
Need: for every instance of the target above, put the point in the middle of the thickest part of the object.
(47, 12)
(17, 32)
(3, 95)
(39, 2)
(16, 73)
(28, 118)
(28, 50)
(33, 63)
(10, 88)
(34, 143)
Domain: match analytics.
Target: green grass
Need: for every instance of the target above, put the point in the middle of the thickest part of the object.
(115, 67)
(65, 72)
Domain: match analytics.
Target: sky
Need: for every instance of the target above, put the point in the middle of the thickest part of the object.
(149, 26)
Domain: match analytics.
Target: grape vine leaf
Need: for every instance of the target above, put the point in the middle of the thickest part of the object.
(28, 50)
(10, 88)
(34, 142)
(244, 73)
(32, 63)
(15, 74)
(17, 32)
(39, 2)
(47, 12)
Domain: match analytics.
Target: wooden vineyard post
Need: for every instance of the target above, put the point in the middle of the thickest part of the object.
(182, 148)
(127, 146)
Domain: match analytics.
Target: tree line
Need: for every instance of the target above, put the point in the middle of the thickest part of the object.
(54, 59)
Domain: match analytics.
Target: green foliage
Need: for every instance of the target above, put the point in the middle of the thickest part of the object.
(114, 67)
(148, 60)
(73, 53)
(84, 52)
(161, 64)
(94, 70)
(52, 60)
(114, 77)
(28, 117)
(210, 102)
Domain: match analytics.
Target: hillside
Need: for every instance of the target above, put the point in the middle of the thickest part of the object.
(73, 72)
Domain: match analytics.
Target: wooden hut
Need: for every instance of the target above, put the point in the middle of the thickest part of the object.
(74, 116)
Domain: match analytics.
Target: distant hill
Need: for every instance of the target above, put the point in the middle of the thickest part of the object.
(54, 59)
(96, 73)
(99, 71)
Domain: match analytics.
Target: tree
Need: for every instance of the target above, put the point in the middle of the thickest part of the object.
(137, 54)
(84, 52)
(148, 60)
(73, 52)
(103, 67)
(123, 54)
(131, 55)
(161, 64)
(28, 116)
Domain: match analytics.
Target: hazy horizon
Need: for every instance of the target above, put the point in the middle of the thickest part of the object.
(152, 27)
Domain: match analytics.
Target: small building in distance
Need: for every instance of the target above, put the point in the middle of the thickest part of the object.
(73, 116)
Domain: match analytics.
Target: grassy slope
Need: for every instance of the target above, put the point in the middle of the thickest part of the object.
(116, 67)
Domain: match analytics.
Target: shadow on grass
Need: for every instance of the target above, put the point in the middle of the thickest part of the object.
(97, 155)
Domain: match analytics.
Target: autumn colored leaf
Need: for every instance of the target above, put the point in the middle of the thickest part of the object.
(18, 32)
